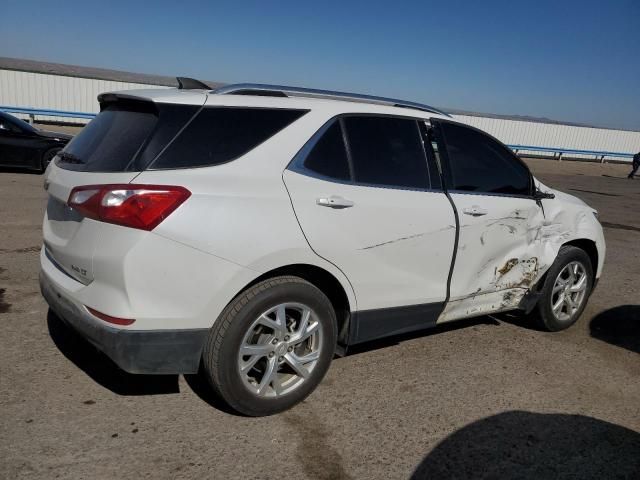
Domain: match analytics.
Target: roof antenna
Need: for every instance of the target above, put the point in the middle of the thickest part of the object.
(186, 83)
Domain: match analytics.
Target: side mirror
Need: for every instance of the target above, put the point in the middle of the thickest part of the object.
(540, 195)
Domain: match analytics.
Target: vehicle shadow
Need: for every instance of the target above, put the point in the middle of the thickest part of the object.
(103, 370)
(518, 319)
(619, 326)
(528, 445)
(200, 386)
(20, 170)
(398, 339)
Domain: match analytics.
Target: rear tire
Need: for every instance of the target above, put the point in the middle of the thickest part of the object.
(566, 289)
(47, 157)
(260, 365)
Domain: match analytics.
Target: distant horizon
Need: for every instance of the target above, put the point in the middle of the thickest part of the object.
(571, 62)
(508, 116)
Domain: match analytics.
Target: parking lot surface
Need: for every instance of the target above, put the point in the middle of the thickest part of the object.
(489, 397)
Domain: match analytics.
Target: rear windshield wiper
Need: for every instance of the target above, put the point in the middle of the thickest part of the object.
(70, 158)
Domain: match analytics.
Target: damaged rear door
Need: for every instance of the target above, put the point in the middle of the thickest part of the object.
(497, 257)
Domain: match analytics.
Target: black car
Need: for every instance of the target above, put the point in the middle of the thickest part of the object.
(23, 146)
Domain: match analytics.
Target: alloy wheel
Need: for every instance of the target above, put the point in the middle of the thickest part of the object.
(569, 291)
(280, 350)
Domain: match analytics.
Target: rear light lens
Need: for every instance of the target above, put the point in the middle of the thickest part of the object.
(129, 205)
(109, 318)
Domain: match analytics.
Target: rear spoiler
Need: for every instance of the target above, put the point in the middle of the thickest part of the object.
(128, 102)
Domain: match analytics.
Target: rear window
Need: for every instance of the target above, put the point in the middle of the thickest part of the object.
(221, 134)
(111, 140)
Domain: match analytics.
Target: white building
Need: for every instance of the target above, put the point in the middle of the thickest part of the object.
(44, 89)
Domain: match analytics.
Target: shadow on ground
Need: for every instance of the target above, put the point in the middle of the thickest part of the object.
(533, 446)
(397, 339)
(101, 369)
(28, 171)
(619, 326)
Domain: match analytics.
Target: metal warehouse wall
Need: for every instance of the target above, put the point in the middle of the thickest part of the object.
(517, 132)
(60, 92)
(56, 92)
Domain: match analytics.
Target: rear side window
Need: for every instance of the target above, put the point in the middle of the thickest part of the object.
(478, 163)
(387, 151)
(221, 134)
(111, 140)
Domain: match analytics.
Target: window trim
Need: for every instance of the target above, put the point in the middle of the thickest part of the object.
(297, 162)
(446, 164)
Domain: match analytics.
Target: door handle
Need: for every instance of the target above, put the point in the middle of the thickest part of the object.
(334, 201)
(475, 211)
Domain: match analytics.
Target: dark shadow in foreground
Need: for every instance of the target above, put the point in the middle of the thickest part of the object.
(102, 369)
(619, 326)
(535, 446)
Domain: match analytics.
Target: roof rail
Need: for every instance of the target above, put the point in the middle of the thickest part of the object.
(283, 91)
(186, 83)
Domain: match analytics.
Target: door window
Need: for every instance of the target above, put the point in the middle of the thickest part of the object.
(329, 155)
(387, 151)
(478, 163)
(371, 150)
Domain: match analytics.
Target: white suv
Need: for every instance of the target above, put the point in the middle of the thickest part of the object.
(253, 232)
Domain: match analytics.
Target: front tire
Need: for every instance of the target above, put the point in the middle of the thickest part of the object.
(566, 289)
(271, 346)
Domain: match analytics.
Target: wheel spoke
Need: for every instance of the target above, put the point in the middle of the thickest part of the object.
(558, 286)
(272, 324)
(295, 363)
(281, 318)
(255, 349)
(249, 364)
(304, 322)
(557, 307)
(580, 285)
(568, 301)
(309, 357)
(267, 378)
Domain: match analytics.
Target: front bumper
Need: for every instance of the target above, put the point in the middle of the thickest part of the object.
(135, 351)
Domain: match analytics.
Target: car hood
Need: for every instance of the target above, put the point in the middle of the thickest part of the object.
(564, 197)
(63, 137)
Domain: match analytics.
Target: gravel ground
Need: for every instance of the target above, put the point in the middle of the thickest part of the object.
(487, 397)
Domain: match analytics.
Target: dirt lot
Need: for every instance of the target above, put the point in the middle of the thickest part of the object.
(489, 397)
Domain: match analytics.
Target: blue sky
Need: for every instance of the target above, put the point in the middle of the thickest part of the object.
(567, 60)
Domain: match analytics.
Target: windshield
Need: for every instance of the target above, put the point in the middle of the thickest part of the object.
(11, 123)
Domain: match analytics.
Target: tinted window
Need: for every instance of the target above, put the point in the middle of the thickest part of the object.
(329, 157)
(109, 142)
(478, 163)
(13, 124)
(219, 135)
(387, 151)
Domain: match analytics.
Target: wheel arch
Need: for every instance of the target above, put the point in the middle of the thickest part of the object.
(326, 282)
(585, 244)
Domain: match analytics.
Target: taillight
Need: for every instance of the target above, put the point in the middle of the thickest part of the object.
(135, 206)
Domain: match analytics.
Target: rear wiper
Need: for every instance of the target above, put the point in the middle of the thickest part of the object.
(69, 157)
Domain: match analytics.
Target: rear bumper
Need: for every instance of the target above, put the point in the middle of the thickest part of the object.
(135, 351)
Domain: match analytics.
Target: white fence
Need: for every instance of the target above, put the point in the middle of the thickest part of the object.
(56, 92)
(42, 91)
